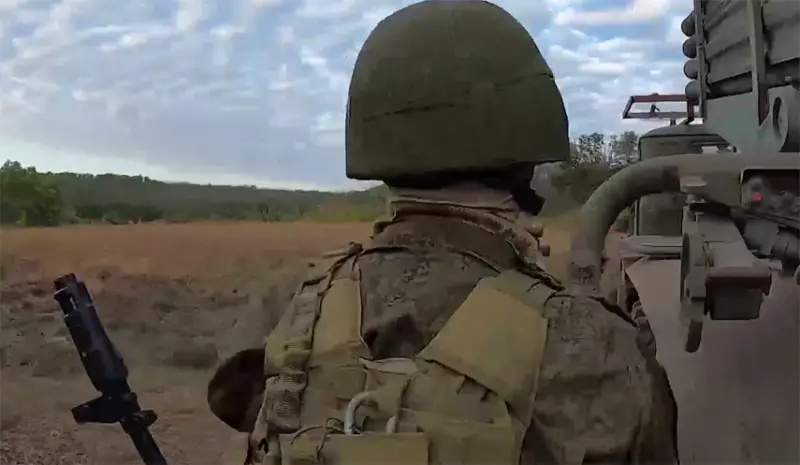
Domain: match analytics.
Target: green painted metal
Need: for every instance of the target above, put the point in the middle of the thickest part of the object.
(443, 87)
(662, 214)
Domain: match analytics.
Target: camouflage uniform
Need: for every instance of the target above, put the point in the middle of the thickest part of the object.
(463, 348)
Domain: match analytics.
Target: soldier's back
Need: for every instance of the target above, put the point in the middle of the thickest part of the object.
(596, 391)
(408, 295)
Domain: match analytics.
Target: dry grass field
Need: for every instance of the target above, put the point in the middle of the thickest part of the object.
(175, 299)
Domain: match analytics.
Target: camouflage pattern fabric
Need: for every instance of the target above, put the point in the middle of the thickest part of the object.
(599, 400)
(602, 398)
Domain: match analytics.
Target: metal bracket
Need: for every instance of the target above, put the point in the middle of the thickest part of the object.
(699, 18)
(694, 267)
(654, 112)
(720, 276)
(758, 57)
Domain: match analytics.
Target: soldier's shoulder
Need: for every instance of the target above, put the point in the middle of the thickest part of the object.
(330, 259)
(594, 387)
(592, 338)
(578, 314)
(586, 332)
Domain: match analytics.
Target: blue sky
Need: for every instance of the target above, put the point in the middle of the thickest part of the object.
(254, 91)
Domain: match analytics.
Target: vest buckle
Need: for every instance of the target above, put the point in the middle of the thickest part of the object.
(350, 413)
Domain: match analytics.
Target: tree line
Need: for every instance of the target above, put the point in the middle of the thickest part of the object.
(32, 198)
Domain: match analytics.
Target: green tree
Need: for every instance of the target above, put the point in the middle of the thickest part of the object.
(27, 197)
(624, 148)
(593, 159)
(585, 169)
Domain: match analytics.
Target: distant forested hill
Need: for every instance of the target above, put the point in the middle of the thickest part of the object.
(92, 197)
(33, 198)
(30, 198)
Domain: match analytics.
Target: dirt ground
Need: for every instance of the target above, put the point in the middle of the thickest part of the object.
(175, 299)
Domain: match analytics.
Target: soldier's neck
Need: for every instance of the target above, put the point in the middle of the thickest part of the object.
(468, 195)
(491, 210)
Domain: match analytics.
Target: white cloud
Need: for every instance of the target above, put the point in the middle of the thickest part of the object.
(257, 88)
(635, 12)
(607, 68)
(674, 35)
(265, 3)
(285, 35)
(190, 14)
(327, 9)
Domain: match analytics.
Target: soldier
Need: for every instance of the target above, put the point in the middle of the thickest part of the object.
(441, 340)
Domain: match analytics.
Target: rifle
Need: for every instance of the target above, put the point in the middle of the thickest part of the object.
(106, 370)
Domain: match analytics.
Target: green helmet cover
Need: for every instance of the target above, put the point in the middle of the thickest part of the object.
(451, 86)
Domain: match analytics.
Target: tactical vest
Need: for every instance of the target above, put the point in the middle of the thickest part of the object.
(467, 398)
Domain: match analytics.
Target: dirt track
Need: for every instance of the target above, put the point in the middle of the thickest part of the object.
(738, 395)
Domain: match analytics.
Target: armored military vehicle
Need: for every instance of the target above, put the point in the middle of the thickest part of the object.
(716, 234)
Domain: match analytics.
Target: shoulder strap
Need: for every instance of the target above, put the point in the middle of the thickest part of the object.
(497, 337)
(307, 300)
(337, 333)
(289, 346)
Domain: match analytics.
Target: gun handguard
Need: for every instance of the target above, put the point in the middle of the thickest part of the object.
(106, 370)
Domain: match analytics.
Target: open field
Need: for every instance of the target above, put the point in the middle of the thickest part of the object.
(175, 299)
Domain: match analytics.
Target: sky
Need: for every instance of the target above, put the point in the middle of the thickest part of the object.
(254, 91)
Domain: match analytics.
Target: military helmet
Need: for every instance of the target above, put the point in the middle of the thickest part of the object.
(451, 86)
